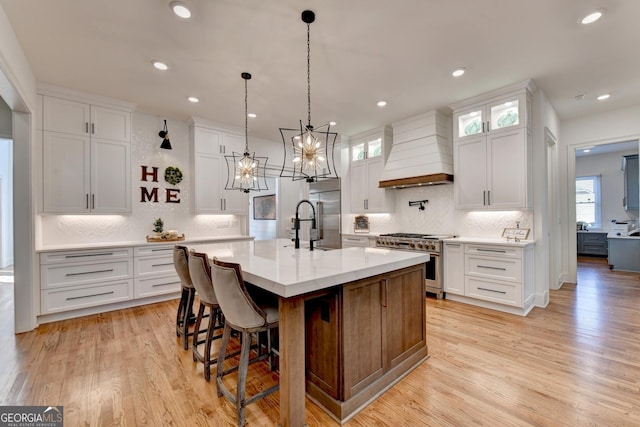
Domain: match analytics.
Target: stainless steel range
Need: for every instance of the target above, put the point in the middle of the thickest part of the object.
(431, 243)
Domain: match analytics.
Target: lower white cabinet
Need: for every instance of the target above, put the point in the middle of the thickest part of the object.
(492, 275)
(71, 280)
(358, 241)
(154, 273)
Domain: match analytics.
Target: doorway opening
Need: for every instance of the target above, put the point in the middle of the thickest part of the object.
(6, 220)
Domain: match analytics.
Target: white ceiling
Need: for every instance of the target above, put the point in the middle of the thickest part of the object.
(362, 51)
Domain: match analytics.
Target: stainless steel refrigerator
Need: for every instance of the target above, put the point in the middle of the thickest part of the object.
(325, 196)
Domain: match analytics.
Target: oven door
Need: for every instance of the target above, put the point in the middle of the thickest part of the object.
(433, 279)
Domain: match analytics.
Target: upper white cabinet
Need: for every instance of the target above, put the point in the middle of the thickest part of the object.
(86, 158)
(210, 171)
(492, 150)
(367, 154)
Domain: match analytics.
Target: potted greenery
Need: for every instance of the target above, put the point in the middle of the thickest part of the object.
(158, 227)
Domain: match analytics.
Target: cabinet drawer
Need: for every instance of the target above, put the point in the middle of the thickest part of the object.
(63, 275)
(148, 266)
(55, 300)
(597, 238)
(499, 292)
(348, 241)
(496, 268)
(494, 250)
(85, 255)
(153, 250)
(149, 286)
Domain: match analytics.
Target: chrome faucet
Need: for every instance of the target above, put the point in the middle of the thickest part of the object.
(296, 223)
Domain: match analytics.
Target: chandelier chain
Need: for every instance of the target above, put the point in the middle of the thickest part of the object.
(246, 119)
(309, 73)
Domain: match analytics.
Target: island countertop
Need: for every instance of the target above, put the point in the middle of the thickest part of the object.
(276, 266)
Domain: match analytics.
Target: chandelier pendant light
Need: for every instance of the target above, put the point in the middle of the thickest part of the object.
(309, 151)
(246, 172)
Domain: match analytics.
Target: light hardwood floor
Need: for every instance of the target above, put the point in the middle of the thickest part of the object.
(575, 363)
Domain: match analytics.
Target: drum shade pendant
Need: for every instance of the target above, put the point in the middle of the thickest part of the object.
(308, 151)
(164, 134)
(246, 172)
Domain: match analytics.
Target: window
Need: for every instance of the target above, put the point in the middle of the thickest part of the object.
(588, 200)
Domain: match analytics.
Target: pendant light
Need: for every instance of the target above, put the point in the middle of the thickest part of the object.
(308, 151)
(246, 172)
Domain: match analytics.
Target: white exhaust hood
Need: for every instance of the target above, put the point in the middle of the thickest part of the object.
(421, 153)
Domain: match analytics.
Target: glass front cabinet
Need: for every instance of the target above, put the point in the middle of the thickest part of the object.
(504, 113)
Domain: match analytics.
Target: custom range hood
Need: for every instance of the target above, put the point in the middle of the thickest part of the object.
(421, 153)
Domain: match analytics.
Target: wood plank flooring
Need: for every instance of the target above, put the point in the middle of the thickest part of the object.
(575, 363)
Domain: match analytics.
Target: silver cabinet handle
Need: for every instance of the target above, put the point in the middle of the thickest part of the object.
(93, 128)
(89, 272)
(488, 127)
(89, 296)
(492, 268)
(484, 198)
(87, 200)
(455, 245)
(87, 255)
(500, 251)
(488, 197)
(157, 285)
(86, 127)
(482, 127)
(93, 201)
(160, 265)
(161, 250)
(492, 290)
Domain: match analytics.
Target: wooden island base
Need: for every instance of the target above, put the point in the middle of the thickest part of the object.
(363, 337)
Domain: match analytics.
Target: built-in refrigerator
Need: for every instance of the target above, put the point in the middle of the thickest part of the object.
(325, 196)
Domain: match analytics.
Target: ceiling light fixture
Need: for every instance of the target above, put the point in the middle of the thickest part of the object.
(193, 99)
(160, 65)
(458, 72)
(311, 149)
(332, 123)
(180, 9)
(252, 115)
(164, 134)
(382, 103)
(246, 172)
(603, 97)
(592, 16)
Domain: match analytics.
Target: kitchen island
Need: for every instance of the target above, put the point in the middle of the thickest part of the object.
(352, 321)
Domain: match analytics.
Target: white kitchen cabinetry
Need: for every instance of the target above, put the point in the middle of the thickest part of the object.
(368, 152)
(154, 273)
(350, 241)
(492, 150)
(72, 280)
(210, 172)
(453, 268)
(86, 158)
(491, 275)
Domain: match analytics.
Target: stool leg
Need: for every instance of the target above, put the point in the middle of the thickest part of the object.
(242, 375)
(196, 331)
(207, 346)
(191, 293)
(181, 308)
(221, 354)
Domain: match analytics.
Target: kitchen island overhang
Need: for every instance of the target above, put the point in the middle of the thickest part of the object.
(352, 321)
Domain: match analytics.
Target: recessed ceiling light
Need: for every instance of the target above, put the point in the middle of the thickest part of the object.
(458, 72)
(180, 9)
(592, 16)
(603, 97)
(332, 123)
(193, 99)
(252, 115)
(382, 103)
(160, 65)
(579, 97)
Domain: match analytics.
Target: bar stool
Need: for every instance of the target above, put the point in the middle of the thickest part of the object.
(200, 271)
(242, 315)
(185, 307)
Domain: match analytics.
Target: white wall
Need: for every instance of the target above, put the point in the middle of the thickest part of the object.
(6, 203)
(608, 166)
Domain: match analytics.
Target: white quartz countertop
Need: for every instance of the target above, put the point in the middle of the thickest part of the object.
(614, 235)
(276, 266)
(490, 241)
(100, 245)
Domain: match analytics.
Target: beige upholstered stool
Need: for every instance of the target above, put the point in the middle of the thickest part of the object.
(185, 307)
(242, 315)
(200, 271)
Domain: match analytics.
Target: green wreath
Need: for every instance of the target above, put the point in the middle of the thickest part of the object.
(172, 175)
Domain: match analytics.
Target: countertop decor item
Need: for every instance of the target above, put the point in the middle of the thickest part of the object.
(516, 233)
(164, 134)
(361, 224)
(246, 172)
(165, 237)
(308, 151)
(158, 226)
(173, 175)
